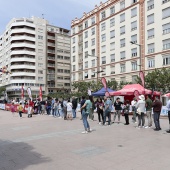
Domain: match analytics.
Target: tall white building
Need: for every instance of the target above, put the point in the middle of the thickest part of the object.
(119, 38)
(29, 48)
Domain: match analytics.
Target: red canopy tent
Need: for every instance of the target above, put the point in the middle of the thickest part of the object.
(166, 95)
(130, 89)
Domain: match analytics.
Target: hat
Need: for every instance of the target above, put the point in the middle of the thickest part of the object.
(142, 97)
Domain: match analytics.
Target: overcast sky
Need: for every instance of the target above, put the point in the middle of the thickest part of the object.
(58, 12)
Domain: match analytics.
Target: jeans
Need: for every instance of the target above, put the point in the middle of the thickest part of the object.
(149, 116)
(20, 113)
(100, 114)
(117, 112)
(91, 114)
(156, 119)
(107, 114)
(74, 113)
(65, 112)
(56, 113)
(85, 122)
(60, 112)
(141, 119)
(134, 113)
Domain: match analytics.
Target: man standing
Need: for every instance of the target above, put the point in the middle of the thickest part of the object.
(134, 103)
(65, 109)
(107, 110)
(118, 109)
(83, 100)
(149, 110)
(74, 106)
(157, 106)
(168, 106)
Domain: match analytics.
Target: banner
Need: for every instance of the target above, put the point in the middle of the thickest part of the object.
(40, 93)
(29, 92)
(104, 82)
(142, 77)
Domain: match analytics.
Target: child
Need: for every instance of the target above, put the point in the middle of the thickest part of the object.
(69, 110)
(13, 109)
(20, 108)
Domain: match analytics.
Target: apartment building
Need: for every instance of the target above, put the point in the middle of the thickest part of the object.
(119, 38)
(31, 49)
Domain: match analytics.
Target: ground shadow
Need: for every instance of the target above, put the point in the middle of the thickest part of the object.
(17, 156)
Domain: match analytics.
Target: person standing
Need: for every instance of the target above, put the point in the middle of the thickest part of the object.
(118, 107)
(83, 100)
(100, 107)
(69, 110)
(60, 109)
(30, 108)
(13, 109)
(168, 106)
(91, 115)
(74, 106)
(157, 106)
(133, 104)
(85, 112)
(107, 110)
(149, 110)
(65, 109)
(20, 109)
(141, 111)
(126, 112)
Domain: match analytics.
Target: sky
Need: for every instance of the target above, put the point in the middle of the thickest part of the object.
(58, 12)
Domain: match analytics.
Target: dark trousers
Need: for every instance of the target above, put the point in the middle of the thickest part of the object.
(65, 112)
(20, 113)
(107, 114)
(156, 119)
(141, 119)
(169, 116)
(127, 118)
(100, 114)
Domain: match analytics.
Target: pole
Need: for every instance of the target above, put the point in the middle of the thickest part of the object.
(140, 55)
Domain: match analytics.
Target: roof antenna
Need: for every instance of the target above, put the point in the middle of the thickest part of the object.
(43, 16)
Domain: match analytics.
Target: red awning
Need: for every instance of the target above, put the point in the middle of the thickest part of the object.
(166, 95)
(130, 89)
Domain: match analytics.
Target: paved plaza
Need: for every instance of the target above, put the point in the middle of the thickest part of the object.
(47, 143)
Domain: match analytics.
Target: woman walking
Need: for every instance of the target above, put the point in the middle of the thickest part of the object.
(100, 106)
(86, 108)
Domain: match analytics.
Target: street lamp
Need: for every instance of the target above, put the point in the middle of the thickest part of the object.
(139, 53)
(98, 68)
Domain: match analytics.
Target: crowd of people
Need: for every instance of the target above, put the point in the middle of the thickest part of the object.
(67, 108)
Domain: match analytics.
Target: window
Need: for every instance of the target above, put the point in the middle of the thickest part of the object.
(166, 44)
(133, 12)
(104, 60)
(134, 52)
(112, 10)
(133, 25)
(150, 4)
(74, 40)
(73, 30)
(86, 64)
(86, 75)
(134, 38)
(93, 63)
(74, 49)
(151, 62)
(165, 1)
(166, 13)
(112, 69)
(112, 34)
(74, 77)
(134, 78)
(74, 59)
(60, 57)
(86, 34)
(122, 55)
(93, 52)
(40, 78)
(150, 19)
(93, 31)
(151, 33)
(151, 48)
(92, 20)
(103, 26)
(166, 59)
(122, 17)
(103, 37)
(112, 22)
(86, 44)
(74, 67)
(103, 49)
(134, 65)
(86, 24)
(40, 72)
(122, 5)
(122, 42)
(122, 68)
(40, 37)
(134, 1)
(122, 30)
(86, 54)
(40, 64)
(112, 46)
(112, 58)
(93, 41)
(166, 28)
(103, 15)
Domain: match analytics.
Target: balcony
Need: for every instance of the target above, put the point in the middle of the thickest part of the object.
(17, 59)
(22, 66)
(103, 62)
(23, 37)
(22, 74)
(50, 37)
(16, 52)
(51, 65)
(29, 45)
(51, 51)
(51, 44)
(51, 58)
(22, 30)
(166, 46)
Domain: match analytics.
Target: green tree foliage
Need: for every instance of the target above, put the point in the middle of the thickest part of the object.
(2, 89)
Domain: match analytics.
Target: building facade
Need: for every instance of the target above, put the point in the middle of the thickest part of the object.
(119, 38)
(29, 48)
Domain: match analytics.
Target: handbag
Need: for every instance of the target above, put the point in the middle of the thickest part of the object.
(138, 111)
(101, 107)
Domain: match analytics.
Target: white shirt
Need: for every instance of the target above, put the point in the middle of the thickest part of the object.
(69, 107)
(133, 103)
(141, 105)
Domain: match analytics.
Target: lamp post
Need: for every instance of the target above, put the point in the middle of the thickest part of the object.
(98, 68)
(139, 53)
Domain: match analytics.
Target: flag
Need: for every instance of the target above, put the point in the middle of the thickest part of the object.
(22, 92)
(142, 77)
(40, 93)
(29, 92)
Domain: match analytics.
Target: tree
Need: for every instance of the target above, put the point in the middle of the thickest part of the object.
(2, 89)
(112, 84)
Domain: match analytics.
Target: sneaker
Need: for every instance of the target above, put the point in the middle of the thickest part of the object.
(90, 130)
(138, 127)
(136, 122)
(146, 127)
(143, 126)
(100, 123)
(85, 132)
(105, 124)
